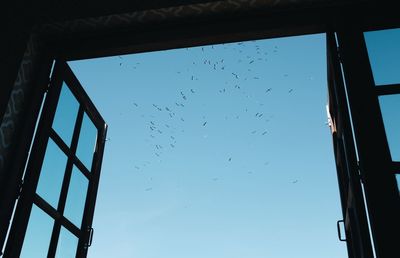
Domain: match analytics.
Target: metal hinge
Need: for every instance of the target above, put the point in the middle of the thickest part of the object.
(339, 56)
(20, 187)
(46, 89)
(360, 173)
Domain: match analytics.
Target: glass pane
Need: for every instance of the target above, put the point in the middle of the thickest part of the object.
(65, 117)
(67, 244)
(398, 182)
(87, 142)
(390, 106)
(52, 174)
(384, 53)
(76, 197)
(38, 234)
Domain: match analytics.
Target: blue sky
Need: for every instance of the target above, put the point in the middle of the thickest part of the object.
(216, 151)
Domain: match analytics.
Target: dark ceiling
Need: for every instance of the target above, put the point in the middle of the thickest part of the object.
(60, 10)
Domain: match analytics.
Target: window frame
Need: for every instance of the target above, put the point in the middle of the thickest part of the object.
(62, 74)
(75, 46)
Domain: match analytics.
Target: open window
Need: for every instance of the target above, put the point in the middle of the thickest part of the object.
(371, 101)
(353, 208)
(54, 213)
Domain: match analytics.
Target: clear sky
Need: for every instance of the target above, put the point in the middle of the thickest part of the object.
(216, 152)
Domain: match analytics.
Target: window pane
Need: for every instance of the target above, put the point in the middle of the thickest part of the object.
(52, 174)
(87, 142)
(38, 234)
(76, 197)
(67, 244)
(65, 117)
(398, 182)
(390, 106)
(384, 54)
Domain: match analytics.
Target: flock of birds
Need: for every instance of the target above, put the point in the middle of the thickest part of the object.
(237, 81)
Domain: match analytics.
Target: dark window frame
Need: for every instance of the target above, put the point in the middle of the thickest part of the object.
(76, 46)
(45, 132)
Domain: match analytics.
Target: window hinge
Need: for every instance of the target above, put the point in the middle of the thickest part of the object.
(20, 186)
(46, 89)
(360, 173)
(339, 55)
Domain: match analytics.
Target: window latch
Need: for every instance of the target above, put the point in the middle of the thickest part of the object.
(90, 238)
(339, 231)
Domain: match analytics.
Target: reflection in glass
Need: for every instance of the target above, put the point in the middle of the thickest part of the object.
(65, 117)
(76, 197)
(384, 54)
(67, 244)
(52, 174)
(87, 142)
(38, 234)
(390, 106)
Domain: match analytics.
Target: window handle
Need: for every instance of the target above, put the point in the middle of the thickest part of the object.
(90, 231)
(338, 229)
